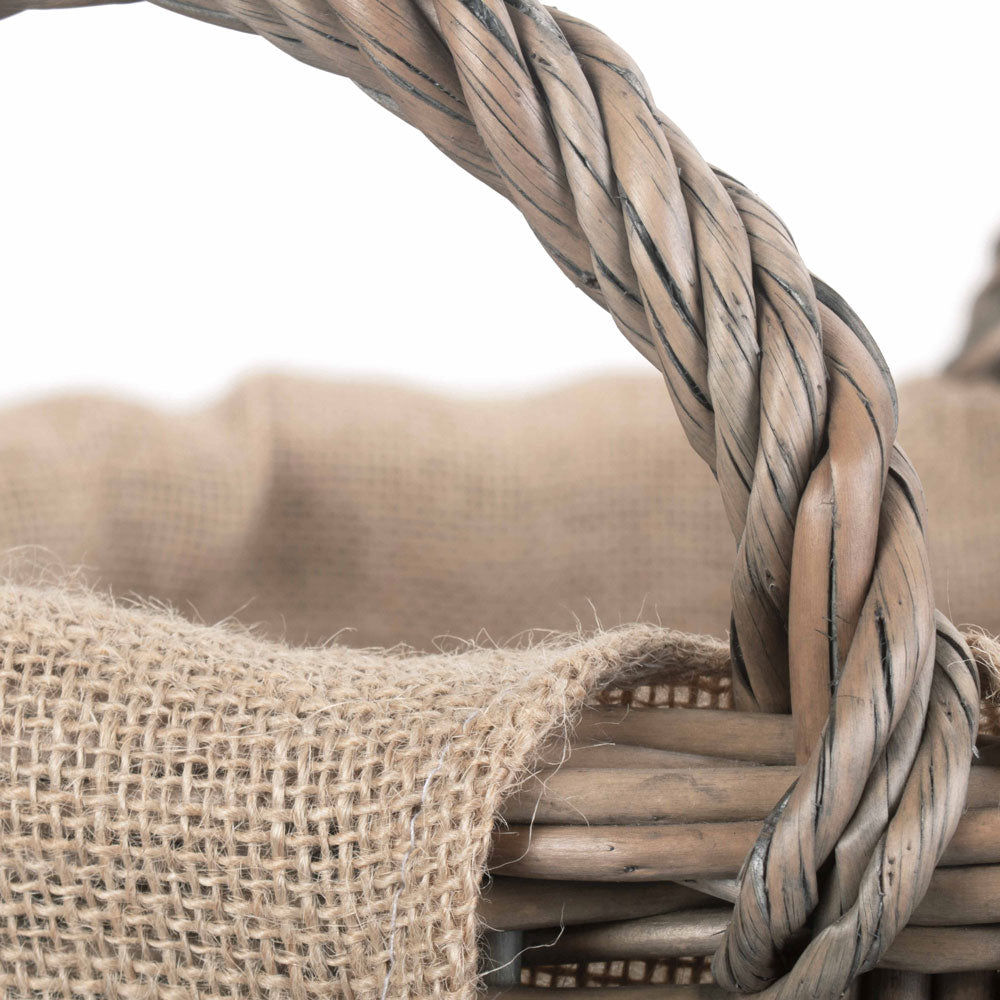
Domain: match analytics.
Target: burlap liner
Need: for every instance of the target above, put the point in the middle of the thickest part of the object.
(189, 810)
(308, 506)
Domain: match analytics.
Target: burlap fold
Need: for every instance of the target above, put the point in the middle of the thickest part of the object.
(189, 811)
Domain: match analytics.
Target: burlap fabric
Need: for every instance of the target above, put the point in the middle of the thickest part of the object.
(386, 515)
(190, 811)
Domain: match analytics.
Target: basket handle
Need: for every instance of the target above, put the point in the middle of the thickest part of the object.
(782, 392)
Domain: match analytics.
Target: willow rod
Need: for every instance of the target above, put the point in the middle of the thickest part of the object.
(698, 933)
(752, 736)
(514, 904)
(679, 851)
(625, 756)
(703, 733)
(726, 794)
(956, 897)
(701, 991)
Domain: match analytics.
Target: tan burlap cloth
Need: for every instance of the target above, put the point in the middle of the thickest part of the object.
(188, 810)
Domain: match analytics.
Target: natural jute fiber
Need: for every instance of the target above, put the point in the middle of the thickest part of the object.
(389, 516)
(783, 394)
(187, 811)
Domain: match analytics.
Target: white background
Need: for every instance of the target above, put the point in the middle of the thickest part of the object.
(180, 204)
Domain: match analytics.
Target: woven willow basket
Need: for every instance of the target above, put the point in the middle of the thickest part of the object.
(829, 838)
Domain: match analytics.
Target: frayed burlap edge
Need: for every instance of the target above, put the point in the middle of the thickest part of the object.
(189, 810)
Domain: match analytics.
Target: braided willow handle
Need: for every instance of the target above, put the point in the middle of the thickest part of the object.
(783, 393)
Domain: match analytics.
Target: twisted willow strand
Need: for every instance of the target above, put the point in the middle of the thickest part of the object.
(782, 392)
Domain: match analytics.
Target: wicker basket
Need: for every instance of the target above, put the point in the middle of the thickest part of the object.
(829, 838)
